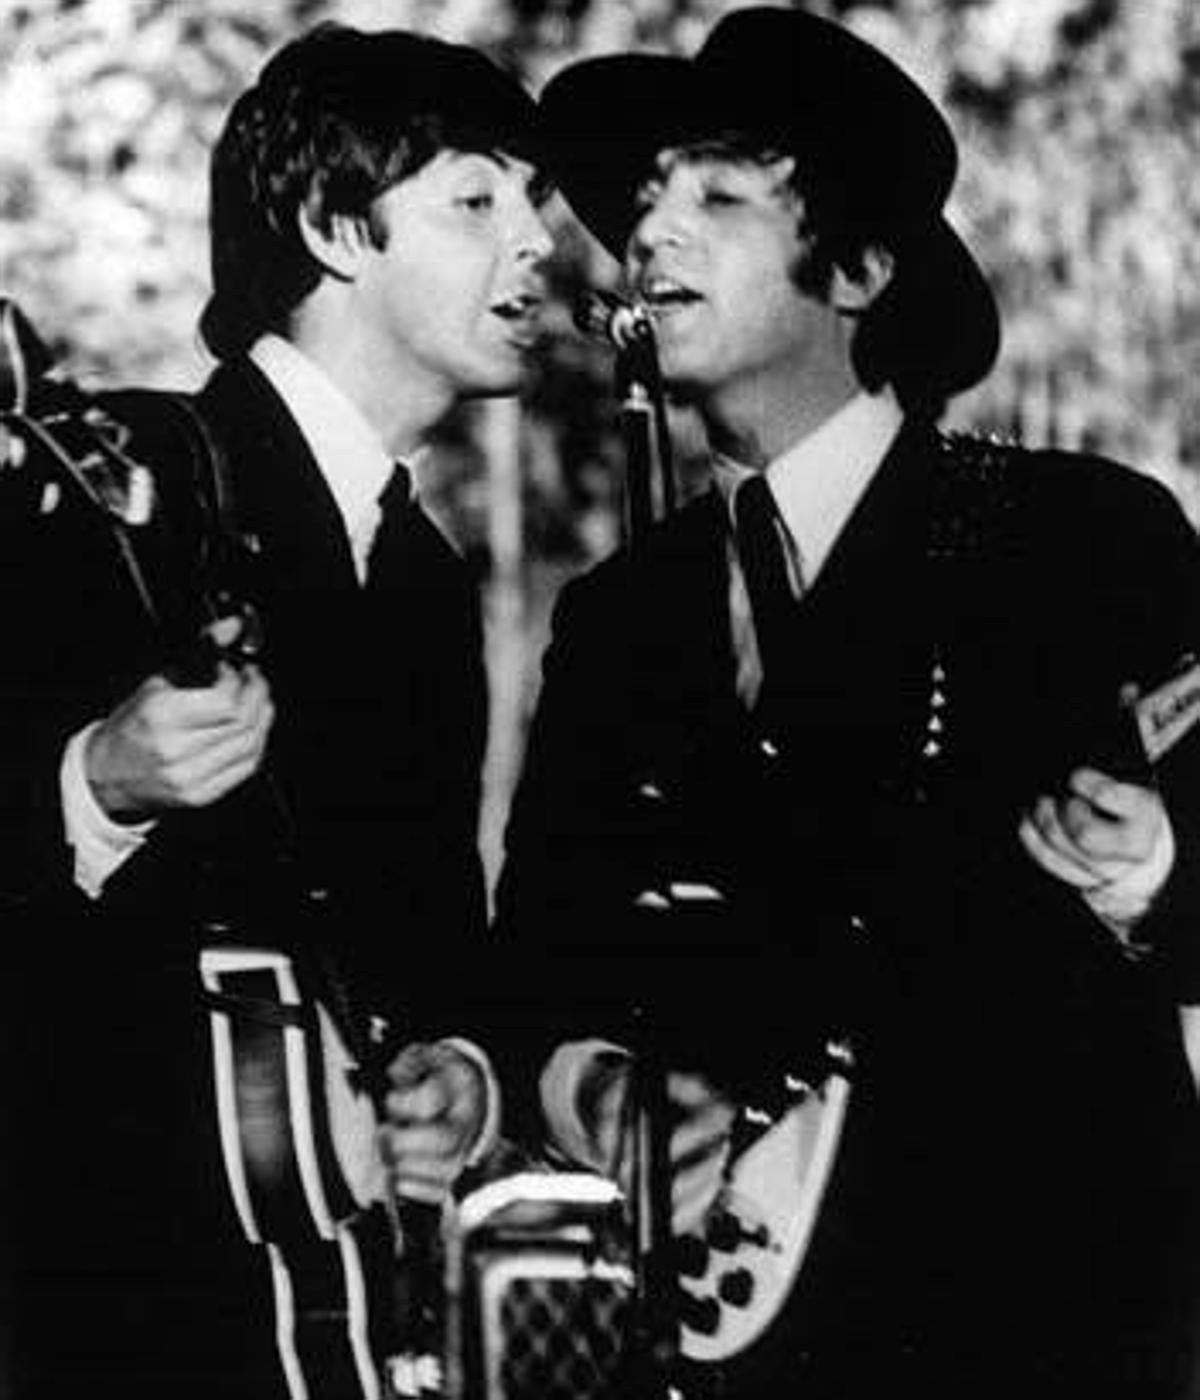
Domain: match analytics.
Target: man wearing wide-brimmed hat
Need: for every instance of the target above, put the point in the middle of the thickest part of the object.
(844, 760)
(377, 258)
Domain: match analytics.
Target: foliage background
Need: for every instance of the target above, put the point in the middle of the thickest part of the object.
(1079, 125)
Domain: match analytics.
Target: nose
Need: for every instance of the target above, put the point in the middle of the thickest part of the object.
(663, 224)
(533, 239)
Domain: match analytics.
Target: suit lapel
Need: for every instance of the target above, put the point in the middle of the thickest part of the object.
(851, 704)
(281, 495)
(678, 612)
(880, 553)
(687, 601)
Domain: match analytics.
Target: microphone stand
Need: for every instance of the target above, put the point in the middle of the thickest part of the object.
(645, 431)
(655, 1329)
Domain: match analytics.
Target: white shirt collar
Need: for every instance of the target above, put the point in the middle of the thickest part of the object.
(348, 450)
(819, 480)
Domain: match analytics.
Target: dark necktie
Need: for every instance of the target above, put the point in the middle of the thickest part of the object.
(760, 551)
(393, 502)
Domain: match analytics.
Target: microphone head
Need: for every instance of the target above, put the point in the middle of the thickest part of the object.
(604, 316)
(592, 311)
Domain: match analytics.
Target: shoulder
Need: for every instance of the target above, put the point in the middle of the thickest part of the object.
(156, 425)
(1050, 473)
(680, 548)
(639, 612)
(163, 432)
(1081, 549)
(1073, 499)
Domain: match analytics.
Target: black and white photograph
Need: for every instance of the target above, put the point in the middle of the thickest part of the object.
(600, 699)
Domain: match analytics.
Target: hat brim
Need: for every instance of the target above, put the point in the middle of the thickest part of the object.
(604, 120)
(947, 324)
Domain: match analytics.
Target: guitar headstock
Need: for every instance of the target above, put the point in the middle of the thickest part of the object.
(1165, 714)
(24, 359)
(50, 426)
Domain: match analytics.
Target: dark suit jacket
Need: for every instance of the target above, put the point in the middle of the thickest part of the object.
(1014, 1205)
(136, 1276)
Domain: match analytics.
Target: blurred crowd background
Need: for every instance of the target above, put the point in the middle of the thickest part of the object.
(1079, 129)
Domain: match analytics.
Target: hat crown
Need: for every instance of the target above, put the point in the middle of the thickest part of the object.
(845, 110)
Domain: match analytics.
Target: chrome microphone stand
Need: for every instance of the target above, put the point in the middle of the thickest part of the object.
(645, 431)
(649, 494)
(644, 426)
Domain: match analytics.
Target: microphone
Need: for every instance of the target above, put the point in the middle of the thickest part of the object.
(603, 316)
(629, 329)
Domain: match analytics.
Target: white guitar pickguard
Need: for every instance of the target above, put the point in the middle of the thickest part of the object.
(775, 1192)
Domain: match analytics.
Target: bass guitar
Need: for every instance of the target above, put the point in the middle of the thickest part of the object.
(297, 1127)
(296, 1118)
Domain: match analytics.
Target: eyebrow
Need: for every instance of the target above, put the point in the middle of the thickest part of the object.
(700, 153)
(505, 160)
(718, 150)
(538, 187)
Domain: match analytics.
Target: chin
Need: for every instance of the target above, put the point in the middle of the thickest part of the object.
(497, 386)
(689, 373)
(498, 372)
(683, 387)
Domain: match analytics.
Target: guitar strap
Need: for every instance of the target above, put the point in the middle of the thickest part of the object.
(229, 550)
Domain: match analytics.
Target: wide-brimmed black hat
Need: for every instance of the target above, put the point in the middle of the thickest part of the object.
(863, 132)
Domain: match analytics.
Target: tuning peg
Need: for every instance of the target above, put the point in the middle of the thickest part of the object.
(24, 359)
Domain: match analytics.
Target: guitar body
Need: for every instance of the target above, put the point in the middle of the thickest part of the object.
(737, 1270)
(743, 1261)
(297, 1140)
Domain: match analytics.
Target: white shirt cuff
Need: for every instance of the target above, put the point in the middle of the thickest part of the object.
(101, 845)
(573, 1072)
(489, 1132)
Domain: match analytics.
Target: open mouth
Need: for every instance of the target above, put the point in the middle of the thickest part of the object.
(664, 296)
(524, 307)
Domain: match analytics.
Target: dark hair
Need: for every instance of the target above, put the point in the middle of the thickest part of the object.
(335, 119)
(881, 348)
(832, 234)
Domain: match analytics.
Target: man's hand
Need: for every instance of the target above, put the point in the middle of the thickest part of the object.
(598, 1129)
(699, 1146)
(435, 1111)
(1098, 834)
(165, 747)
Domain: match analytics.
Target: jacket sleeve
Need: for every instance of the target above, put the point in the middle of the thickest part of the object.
(78, 636)
(1172, 927)
(1145, 573)
(572, 848)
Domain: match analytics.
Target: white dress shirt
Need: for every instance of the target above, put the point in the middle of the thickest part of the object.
(816, 485)
(348, 450)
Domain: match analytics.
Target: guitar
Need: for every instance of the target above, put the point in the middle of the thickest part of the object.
(1164, 716)
(297, 1130)
(738, 1267)
(295, 1114)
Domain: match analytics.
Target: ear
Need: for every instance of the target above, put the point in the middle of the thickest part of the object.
(339, 249)
(852, 295)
